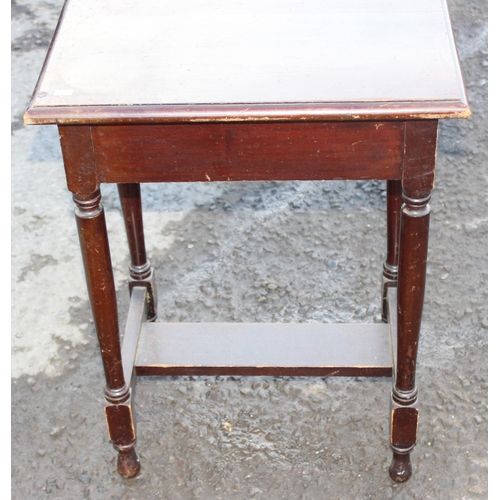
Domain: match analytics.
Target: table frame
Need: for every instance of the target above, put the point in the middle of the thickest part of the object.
(401, 152)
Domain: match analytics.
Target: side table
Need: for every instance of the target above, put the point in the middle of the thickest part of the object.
(212, 91)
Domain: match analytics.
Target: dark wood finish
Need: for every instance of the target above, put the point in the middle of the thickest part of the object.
(266, 371)
(400, 469)
(404, 423)
(323, 112)
(420, 157)
(141, 272)
(121, 430)
(137, 315)
(249, 152)
(220, 111)
(390, 272)
(417, 183)
(394, 204)
(239, 151)
(249, 56)
(101, 288)
(79, 159)
(130, 199)
(403, 153)
(121, 418)
(274, 349)
(411, 285)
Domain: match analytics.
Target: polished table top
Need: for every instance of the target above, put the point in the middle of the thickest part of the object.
(174, 60)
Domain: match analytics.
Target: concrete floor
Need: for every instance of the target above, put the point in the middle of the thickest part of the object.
(247, 437)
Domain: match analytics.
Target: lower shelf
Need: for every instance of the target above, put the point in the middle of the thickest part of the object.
(275, 349)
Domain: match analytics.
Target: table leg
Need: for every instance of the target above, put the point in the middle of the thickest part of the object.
(100, 282)
(411, 284)
(390, 272)
(141, 272)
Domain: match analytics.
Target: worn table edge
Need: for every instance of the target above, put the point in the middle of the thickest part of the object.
(136, 114)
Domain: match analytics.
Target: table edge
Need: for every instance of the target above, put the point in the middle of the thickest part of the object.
(353, 111)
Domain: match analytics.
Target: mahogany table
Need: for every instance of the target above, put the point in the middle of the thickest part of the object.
(268, 90)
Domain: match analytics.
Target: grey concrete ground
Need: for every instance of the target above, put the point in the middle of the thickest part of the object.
(252, 252)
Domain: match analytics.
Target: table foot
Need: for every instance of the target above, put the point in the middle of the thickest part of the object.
(122, 434)
(404, 424)
(400, 469)
(128, 462)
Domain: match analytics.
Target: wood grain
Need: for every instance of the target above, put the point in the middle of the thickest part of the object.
(249, 152)
(78, 157)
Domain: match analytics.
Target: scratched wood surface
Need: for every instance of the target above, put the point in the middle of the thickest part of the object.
(124, 53)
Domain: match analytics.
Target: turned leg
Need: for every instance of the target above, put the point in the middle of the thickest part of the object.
(410, 297)
(99, 274)
(141, 272)
(390, 272)
(418, 172)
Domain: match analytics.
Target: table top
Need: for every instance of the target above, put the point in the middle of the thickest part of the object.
(212, 60)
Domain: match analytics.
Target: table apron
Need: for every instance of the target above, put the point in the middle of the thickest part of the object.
(248, 151)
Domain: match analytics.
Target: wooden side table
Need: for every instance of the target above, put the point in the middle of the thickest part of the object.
(210, 91)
